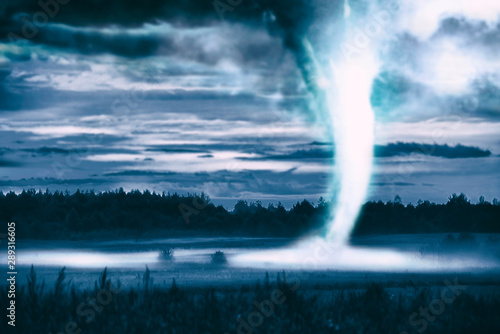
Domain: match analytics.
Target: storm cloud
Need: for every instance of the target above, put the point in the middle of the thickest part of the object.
(188, 97)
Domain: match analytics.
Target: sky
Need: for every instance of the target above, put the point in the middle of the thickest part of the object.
(222, 97)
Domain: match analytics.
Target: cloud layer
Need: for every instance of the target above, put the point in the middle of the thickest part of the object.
(167, 95)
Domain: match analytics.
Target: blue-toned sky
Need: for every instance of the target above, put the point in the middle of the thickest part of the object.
(188, 97)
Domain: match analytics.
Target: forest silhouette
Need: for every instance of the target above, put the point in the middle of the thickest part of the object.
(59, 215)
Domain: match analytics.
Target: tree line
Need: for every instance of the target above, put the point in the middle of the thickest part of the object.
(58, 215)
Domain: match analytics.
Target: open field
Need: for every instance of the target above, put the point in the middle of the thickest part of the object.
(323, 302)
(210, 297)
(191, 264)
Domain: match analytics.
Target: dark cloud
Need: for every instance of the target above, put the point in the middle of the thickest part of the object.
(473, 33)
(392, 90)
(49, 150)
(319, 143)
(9, 100)
(220, 184)
(444, 151)
(94, 42)
(177, 150)
(297, 155)
(139, 173)
(6, 163)
(79, 151)
(82, 22)
(398, 184)
(295, 26)
(405, 49)
(128, 13)
(43, 182)
(142, 43)
(4, 150)
(272, 45)
(131, 13)
(384, 151)
(399, 86)
(483, 101)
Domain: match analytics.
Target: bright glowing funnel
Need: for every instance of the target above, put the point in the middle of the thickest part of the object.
(353, 122)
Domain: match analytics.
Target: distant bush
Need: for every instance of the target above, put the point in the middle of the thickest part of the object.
(166, 254)
(218, 258)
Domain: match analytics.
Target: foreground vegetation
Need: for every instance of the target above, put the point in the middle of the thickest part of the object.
(295, 308)
(46, 215)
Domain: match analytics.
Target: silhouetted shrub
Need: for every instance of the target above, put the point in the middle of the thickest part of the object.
(166, 254)
(218, 258)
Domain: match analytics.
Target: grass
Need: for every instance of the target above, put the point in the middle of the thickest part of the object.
(173, 309)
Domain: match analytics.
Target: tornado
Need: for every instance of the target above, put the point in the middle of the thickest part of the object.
(339, 63)
(352, 73)
(339, 73)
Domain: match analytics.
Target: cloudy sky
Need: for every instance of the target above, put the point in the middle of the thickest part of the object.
(192, 96)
